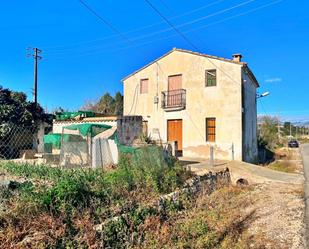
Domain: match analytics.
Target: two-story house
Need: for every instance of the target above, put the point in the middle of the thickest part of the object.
(199, 101)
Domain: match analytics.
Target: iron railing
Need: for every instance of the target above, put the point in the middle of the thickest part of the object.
(174, 99)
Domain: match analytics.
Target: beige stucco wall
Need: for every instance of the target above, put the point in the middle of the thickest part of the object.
(222, 102)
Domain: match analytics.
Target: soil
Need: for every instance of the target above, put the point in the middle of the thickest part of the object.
(279, 214)
(279, 209)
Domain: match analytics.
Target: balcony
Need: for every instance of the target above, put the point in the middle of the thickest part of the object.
(174, 100)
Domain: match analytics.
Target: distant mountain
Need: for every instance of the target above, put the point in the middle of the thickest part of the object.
(304, 121)
(301, 123)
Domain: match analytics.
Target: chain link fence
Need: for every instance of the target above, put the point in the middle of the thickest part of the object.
(17, 141)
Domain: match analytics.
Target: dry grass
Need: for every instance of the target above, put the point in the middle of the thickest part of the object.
(304, 140)
(216, 221)
(284, 166)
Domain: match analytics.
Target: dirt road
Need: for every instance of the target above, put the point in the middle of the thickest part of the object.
(305, 155)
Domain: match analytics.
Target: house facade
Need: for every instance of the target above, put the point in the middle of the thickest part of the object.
(199, 101)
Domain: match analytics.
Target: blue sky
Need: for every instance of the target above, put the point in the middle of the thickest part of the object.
(83, 58)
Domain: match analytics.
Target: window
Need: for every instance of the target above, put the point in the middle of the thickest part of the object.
(210, 129)
(144, 86)
(211, 77)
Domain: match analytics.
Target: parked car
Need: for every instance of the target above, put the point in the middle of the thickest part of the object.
(293, 144)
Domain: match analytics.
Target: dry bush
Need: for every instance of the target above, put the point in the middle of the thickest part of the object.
(283, 166)
(218, 220)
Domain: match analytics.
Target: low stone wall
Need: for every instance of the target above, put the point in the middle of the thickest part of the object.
(204, 184)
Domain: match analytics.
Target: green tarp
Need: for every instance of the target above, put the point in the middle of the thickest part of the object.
(55, 139)
(84, 130)
(71, 115)
(88, 129)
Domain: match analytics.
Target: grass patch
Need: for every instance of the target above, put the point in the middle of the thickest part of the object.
(283, 166)
(64, 212)
(64, 196)
(214, 221)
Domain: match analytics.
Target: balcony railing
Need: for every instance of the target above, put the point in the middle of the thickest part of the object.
(174, 99)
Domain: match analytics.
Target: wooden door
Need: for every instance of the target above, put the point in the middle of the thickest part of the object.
(174, 85)
(174, 82)
(174, 132)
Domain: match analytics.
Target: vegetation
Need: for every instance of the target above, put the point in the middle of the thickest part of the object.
(268, 133)
(107, 104)
(59, 208)
(284, 166)
(271, 138)
(293, 130)
(15, 109)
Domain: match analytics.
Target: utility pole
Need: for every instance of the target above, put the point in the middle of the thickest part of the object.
(35, 54)
(290, 129)
(278, 126)
(296, 132)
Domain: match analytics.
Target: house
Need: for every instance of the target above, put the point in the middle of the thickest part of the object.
(199, 101)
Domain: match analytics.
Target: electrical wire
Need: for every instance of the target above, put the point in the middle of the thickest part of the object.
(162, 30)
(171, 25)
(188, 41)
(136, 29)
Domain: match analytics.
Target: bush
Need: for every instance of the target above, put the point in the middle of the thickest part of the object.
(65, 195)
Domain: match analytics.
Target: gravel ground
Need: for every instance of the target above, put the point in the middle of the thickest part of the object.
(280, 209)
(279, 214)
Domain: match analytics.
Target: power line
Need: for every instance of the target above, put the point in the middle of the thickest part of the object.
(102, 19)
(106, 49)
(136, 29)
(168, 22)
(97, 51)
(167, 29)
(189, 42)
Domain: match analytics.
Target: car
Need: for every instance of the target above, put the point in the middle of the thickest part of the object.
(293, 144)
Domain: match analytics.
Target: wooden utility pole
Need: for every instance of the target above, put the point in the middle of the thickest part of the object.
(278, 128)
(290, 129)
(35, 54)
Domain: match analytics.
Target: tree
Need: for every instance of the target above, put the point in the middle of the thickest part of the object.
(15, 109)
(118, 104)
(268, 132)
(107, 105)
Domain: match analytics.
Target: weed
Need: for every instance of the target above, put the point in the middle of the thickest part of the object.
(283, 166)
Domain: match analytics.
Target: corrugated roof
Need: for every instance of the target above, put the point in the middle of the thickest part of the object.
(88, 120)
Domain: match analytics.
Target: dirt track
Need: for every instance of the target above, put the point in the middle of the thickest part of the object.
(278, 201)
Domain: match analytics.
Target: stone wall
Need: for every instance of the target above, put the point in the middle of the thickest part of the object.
(129, 128)
(205, 184)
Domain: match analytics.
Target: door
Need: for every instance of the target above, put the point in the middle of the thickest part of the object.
(174, 132)
(174, 95)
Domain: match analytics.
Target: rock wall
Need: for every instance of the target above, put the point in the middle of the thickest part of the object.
(129, 128)
(205, 184)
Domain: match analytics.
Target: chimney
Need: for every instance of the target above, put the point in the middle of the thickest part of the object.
(237, 57)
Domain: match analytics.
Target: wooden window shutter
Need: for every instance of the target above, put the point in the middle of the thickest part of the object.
(211, 77)
(144, 86)
(210, 129)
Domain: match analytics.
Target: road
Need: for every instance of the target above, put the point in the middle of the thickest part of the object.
(305, 155)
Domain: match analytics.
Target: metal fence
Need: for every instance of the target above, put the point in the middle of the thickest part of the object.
(16, 141)
(75, 150)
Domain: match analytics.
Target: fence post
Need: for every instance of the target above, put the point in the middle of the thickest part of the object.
(211, 160)
(62, 157)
